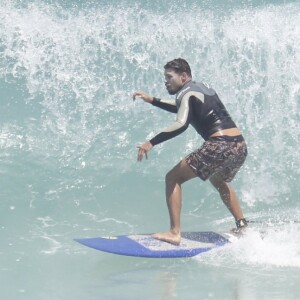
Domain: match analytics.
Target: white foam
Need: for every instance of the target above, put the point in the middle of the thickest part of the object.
(54, 245)
(81, 66)
(275, 247)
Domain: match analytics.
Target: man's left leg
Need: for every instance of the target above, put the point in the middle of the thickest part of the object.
(228, 196)
(174, 179)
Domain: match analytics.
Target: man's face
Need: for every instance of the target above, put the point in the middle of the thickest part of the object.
(173, 81)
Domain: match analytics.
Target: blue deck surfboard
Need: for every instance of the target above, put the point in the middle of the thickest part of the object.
(143, 245)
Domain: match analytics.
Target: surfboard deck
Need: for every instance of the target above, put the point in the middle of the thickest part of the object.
(143, 245)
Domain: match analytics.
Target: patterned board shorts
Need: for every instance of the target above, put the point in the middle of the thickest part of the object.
(222, 156)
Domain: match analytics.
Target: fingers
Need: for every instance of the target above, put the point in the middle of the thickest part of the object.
(141, 154)
(137, 94)
(143, 150)
(144, 96)
(134, 95)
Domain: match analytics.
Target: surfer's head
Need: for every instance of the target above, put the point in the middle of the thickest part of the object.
(179, 65)
(177, 73)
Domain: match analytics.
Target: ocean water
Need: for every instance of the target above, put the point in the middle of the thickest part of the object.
(69, 132)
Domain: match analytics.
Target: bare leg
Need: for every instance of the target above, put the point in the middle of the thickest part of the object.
(228, 196)
(174, 178)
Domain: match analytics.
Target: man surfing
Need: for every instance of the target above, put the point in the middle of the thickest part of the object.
(219, 158)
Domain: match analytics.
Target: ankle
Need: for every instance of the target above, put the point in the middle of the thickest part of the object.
(240, 223)
(175, 231)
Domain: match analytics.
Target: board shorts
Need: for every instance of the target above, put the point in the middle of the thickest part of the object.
(220, 156)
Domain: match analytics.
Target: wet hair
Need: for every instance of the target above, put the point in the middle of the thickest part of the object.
(179, 65)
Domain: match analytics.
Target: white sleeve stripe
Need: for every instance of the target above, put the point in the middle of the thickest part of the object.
(175, 126)
(168, 101)
(183, 111)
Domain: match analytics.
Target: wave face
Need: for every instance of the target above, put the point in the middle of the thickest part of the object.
(69, 128)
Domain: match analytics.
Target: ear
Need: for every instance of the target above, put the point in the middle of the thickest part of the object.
(184, 77)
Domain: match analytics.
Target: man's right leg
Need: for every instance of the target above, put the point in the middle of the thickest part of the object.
(174, 179)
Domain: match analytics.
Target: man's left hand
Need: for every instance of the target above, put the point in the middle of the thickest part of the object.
(143, 150)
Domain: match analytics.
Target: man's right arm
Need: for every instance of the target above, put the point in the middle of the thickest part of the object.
(142, 95)
(165, 104)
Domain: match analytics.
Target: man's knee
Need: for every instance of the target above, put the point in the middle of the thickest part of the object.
(174, 176)
(219, 183)
(180, 173)
(170, 176)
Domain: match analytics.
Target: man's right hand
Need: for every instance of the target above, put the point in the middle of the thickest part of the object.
(142, 95)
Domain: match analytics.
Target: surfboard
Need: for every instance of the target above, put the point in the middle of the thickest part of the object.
(143, 245)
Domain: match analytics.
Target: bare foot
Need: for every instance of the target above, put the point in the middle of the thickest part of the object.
(168, 237)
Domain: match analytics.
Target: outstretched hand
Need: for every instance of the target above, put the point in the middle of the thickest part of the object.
(142, 95)
(143, 150)
(146, 147)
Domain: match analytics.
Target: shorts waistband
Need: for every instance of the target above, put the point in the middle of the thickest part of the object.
(227, 138)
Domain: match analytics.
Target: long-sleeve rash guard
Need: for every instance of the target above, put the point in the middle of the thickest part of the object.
(195, 104)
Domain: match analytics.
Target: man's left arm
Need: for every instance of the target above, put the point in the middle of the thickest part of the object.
(181, 124)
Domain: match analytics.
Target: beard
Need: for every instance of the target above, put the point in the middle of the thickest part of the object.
(172, 91)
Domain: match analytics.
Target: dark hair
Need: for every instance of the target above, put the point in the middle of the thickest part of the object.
(179, 65)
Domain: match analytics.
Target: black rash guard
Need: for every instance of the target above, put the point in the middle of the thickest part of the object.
(198, 105)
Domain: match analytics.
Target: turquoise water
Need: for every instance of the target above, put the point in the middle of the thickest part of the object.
(69, 131)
